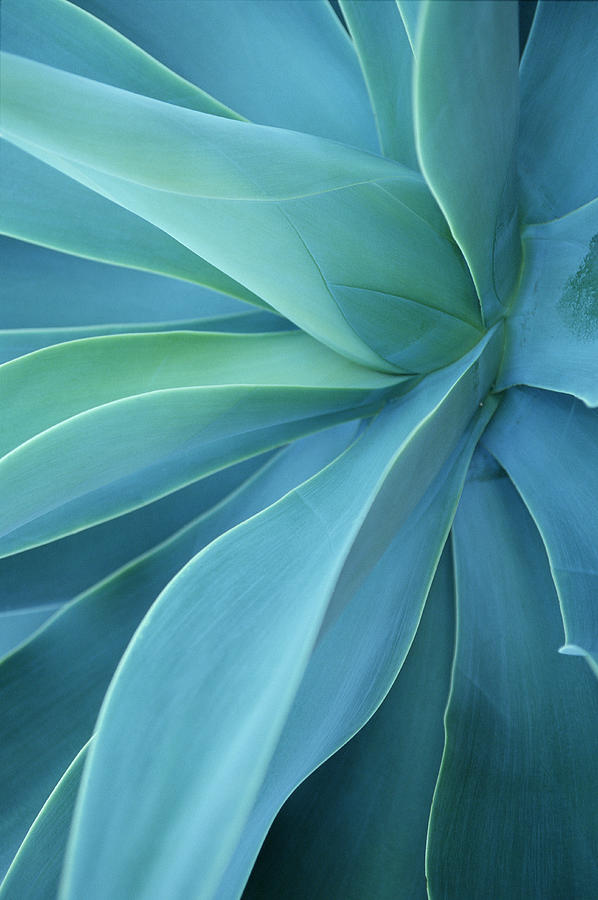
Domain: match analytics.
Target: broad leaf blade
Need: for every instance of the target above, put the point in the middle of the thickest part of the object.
(466, 119)
(42, 206)
(233, 610)
(559, 81)
(368, 805)
(547, 439)
(552, 331)
(386, 61)
(53, 686)
(518, 781)
(302, 47)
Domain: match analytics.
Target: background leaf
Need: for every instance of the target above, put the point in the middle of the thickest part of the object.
(518, 780)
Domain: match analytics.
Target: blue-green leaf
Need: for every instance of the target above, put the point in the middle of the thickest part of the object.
(54, 573)
(35, 870)
(368, 805)
(52, 687)
(559, 120)
(291, 215)
(227, 644)
(466, 119)
(44, 207)
(410, 11)
(369, 625)
(60, 34)
(386, 60)
(552, 331)
(287, 64)
(548, 444)
(514, 812)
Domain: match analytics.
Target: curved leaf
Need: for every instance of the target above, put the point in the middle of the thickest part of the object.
(35, 871)
(40, 205)
(542, 438)
(466, 119)
(229, 641)
(275, 192)
(559, 81)
(518, 781)
(60, 34)
(52, 687)
(368, 805)
(552, 331)
(386, 61)
(369, 625)
(302, 47)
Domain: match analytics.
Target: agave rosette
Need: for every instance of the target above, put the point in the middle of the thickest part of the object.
(300, 450)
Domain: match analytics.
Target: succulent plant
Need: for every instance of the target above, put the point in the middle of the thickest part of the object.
(299, 450)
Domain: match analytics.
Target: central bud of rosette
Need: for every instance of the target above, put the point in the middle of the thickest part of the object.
(394, 270)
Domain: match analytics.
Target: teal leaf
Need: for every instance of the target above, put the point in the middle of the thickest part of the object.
(410, 11)
(42, 206)
(514, 812)
(52, 687)
(552, 331)
(17, 624)
(368, 628)
(257, 203)
(35, 870)
(559, 81)
(50, 575)
(466, 120)
(227, 644)
(548, 439)
(305, 75)
(368, 805)
(60, 34)
(386, 61)
(122, 434)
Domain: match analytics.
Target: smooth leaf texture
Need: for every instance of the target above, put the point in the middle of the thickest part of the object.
(542, 438)
(83, 375)
(35, 871)
(369, 624)
(368, 805)
(217, 622)
(60, 34)
(466, 119)
(559, 82)
(169, 429)
(268, 61)
(410, 10)
(518, 782)
(17, 624)
(80, 298)
(54, 685)
(274, 193)
(552, 332)
(42, 206)
(75, 563)
(386, 60)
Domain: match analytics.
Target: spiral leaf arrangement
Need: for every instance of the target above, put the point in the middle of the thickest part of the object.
(299, 462)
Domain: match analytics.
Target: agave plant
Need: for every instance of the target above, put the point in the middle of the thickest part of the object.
(300, 450)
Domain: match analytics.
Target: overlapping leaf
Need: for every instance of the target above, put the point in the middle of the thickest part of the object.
(552, 332)
(518, 781)
(283, 212)
(542, 438)
(466, 120)
(229, 644)
(121, 433)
